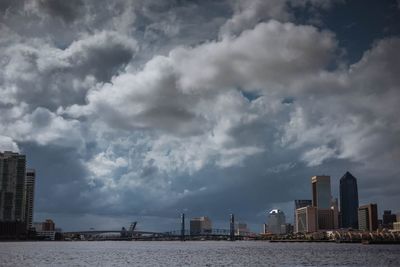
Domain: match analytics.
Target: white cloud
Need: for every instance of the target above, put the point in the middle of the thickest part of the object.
(44, 128)
(8, 144)
(316, 156)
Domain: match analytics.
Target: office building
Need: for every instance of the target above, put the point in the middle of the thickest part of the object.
(388, 219)
(368, 217)
(306, 218)
(300, 203)
(321, 191)
(327, 209)
(12, 187)
(349, 201)
(200, 225)
(326, 219)
(30, 189)
(276, 218)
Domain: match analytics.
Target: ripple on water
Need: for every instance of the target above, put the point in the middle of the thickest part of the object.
(203, 253)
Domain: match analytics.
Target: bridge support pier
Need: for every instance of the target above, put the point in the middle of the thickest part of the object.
(183, 227)
(232, 227)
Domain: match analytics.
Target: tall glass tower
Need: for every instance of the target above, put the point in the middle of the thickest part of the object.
(349, 201)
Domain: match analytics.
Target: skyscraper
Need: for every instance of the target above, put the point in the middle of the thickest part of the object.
(12, 187)
(327, 211)
(321, 191)
(276, 218)
(12, 195)
(349, 201)
(30, 188)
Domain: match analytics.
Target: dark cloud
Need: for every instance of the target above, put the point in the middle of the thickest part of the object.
(66, 10)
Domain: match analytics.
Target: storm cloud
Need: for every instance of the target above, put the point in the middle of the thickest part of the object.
(143, 109)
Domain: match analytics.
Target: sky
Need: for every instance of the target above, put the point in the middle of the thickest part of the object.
(141, 110)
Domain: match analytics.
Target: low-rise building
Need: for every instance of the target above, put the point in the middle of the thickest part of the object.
(396, 226)
(241, 229)
(368, 217)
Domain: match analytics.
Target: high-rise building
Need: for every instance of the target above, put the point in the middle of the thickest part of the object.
(275, 219)
(30, 189)
(200, 225)
(300, 203)
(321, 191)
(327, 210)
(306, 218)
(368, 217)
(12, 187)
(349, 201)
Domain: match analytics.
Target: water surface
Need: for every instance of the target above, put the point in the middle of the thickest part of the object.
(195, 253)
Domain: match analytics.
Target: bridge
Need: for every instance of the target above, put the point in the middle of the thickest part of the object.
(122, 234)
(182, 234)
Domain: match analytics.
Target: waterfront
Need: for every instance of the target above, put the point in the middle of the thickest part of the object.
(200, 253)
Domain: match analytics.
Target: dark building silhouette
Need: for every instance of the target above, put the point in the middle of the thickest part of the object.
(388, 219)
(12, 195)
(349, 201)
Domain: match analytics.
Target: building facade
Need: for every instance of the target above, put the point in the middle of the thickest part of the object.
(321, 191)
(349, 201)
(45, 230)
(200, 225)
(327, 208)
(30, 190)
(396, 226)
(388, 219)
(368, 217)
(306, 218)
(300, 203)
(12, 187)
(276, 218)
(326, 219)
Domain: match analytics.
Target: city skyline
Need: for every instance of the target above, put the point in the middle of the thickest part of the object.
(143, 110)
(322, 213)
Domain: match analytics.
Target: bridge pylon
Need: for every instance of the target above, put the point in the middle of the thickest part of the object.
(232, 227)
(183, 227)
